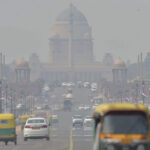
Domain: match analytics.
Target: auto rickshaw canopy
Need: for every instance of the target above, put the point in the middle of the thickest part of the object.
(24, 117)
(7, 121)
(6, 116)
(104, 108)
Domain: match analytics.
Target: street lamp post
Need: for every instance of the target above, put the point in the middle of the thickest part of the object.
(137, 91)
(6, 95)
(1, 107)
(11, 101)
(143, 86)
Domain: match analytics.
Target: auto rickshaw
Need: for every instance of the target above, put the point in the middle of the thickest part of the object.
(53, 119)
(23, 120)
(121, 126)
(8, 128)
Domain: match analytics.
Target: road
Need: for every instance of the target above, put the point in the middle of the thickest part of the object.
(62, 136)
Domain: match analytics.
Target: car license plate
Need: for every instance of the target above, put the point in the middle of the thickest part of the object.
(36, 128)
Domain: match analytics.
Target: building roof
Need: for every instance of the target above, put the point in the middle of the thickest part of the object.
(71, 14)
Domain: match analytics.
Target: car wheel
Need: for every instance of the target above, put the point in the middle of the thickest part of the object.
(25, 139)
(47, 138)
(6, 142)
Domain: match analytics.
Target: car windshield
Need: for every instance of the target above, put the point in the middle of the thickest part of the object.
(125, 123)
(89, 124)
(88, 117)
(36, 121)
(77, 117)
(4, 122)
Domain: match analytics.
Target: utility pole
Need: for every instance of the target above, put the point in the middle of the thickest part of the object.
(2, 71)
(6, 95)
(1, 108)
(138, 68)
(1, 66)
(11, 101)
(141, 66)
(137, 91)
(143, 86)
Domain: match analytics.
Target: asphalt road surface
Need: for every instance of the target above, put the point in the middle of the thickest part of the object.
(62, 136)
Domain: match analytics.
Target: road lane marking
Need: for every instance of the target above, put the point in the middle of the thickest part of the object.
(71, 141)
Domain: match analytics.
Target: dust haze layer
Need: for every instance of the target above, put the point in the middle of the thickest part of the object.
(119, 27)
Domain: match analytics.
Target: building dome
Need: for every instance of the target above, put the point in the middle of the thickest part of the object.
(80, 25)
(71, 13)
(22, 64)
(119, 64)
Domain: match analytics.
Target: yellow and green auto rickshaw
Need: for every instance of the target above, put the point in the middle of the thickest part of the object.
(53, 119)
(8, 128)
(121, 126)
(23, 120)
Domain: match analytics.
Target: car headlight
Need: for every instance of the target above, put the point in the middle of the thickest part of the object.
(110, 147)
(141, 147)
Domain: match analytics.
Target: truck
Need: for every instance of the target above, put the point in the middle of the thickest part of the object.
(67, 104)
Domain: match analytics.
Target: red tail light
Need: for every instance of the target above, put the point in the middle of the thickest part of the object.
(44, 126)
(27, 126)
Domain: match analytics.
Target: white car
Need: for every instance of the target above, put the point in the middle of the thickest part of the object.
(93, 89)
(93, 85)
(64, 84)
(77, 121)
(36, 128)
(86, 85)
(84, 107)
(94, 106)
(88, 126)
(70, 84)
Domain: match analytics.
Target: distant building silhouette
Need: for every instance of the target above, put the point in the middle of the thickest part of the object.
(35, 67)
(119, 72)
(22, 72)
(71, 53)
(71, 22)
(71, 50)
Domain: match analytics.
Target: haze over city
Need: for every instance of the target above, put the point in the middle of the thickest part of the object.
(74, 75)
(118, 27)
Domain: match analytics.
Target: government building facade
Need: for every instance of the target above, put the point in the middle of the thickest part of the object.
(71, 56)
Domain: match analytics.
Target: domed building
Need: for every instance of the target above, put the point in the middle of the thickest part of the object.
(22, 64)
(119, 72)
(71, 51)
(71, 39)
(22, 71)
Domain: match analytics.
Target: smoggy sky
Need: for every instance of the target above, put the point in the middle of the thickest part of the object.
(121, 27)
